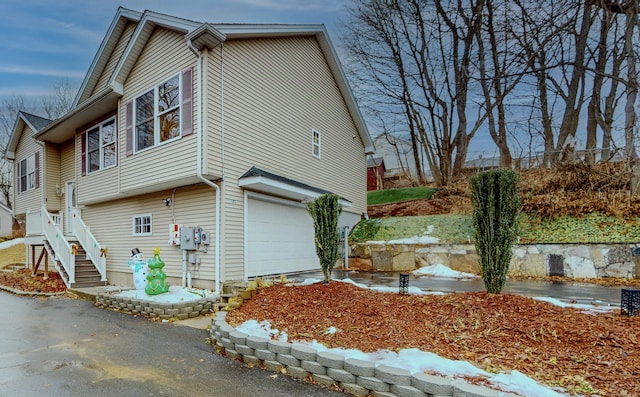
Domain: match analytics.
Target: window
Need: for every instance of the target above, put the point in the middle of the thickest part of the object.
(157, 115)
(28, 173)
(315, 143)
(101, 146)
(142, 225)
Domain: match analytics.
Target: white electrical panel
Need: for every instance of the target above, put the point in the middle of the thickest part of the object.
(174, 234)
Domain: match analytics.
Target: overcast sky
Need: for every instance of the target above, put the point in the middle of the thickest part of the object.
(44, 41)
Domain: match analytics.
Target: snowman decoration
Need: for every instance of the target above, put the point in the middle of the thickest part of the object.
(140, 269)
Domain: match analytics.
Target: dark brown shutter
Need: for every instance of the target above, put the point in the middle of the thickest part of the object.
(84, 153)
(129, 127)
(37, 170)
(19, 180)
(187, 102)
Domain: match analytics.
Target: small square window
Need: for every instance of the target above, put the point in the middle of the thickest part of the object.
(142, 225)
(315, 143)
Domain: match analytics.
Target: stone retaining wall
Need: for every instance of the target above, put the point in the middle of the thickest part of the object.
(164, 311)
(535, 260)
(355, 377)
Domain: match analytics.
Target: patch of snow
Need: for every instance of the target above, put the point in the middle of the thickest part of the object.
(330, 331)
(424, 239)
(441, 270)
(11, 243)
(174, 295)
(590, 309)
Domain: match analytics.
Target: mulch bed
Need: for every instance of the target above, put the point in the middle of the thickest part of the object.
(584, 353)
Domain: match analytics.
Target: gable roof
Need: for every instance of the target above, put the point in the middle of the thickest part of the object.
(36, 123)
(196, 33)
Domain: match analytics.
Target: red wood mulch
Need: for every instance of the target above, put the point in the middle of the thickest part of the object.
(584, 353)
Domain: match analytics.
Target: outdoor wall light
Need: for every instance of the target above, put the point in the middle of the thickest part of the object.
(166, 201)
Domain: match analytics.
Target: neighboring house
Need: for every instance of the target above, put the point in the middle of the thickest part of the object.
(399, 160)
(375, 173)
(225, 129)
(6, 221)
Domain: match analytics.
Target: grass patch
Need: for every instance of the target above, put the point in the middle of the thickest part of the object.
(458, 229)
(386, 196)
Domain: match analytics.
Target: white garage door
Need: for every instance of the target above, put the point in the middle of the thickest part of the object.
(280, 238)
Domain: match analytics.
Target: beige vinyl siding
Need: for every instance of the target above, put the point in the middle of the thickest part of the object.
(32, 199)
(164, 56)
(115, 57)
(67, 158)
(212, 118)
(111, 223)
(275, 92)
(50, 168)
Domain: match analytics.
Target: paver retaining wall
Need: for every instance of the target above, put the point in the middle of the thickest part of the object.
(165, 311)
(536, 260)
(355, 377)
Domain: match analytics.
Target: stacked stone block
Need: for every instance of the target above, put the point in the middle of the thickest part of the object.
(164, 311)
(353, 376)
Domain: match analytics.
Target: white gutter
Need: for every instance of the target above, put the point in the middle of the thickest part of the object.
(199, 133)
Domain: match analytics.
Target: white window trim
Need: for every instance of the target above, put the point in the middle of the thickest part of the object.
(101, 146)
(133, 225)
(156, 115)
(316, 146)
(30, 176)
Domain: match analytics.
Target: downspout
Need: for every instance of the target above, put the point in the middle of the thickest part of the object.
(199, 133)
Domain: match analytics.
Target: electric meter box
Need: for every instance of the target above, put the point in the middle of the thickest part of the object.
(187, 241)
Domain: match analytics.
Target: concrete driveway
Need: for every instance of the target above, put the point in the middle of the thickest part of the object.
(64, 347)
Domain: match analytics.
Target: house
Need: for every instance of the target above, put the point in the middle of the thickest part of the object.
(205, 140)
(399, 160)
(6, 221)
(375, 173)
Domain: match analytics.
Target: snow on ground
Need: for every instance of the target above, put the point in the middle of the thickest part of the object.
(586, 308)
(416, 361)
(424, 239)
(441, 270)
(11, 243)
(174, 295)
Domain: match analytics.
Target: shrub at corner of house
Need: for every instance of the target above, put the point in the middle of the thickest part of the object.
(496, 205)
(325, 211)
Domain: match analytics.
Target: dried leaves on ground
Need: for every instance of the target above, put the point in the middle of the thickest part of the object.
(584, 353)
(24, 280)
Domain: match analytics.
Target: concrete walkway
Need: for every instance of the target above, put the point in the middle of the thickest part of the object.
(566, 291)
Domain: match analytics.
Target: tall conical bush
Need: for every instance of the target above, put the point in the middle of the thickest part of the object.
(496, 204)
(325, 211)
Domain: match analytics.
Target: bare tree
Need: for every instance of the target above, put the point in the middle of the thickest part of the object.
(417, 55)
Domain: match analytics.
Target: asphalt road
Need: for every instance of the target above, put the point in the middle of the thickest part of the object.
(64, 347)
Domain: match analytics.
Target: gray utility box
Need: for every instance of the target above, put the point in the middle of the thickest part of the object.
(187, 242)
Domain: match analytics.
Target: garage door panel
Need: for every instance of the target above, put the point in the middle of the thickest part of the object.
(280, 239)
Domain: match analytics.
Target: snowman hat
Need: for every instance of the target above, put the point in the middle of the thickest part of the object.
(135, 252)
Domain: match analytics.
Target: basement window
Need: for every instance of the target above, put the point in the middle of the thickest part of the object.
(142, 225)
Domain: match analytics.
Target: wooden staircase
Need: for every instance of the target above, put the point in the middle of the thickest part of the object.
(86, 274)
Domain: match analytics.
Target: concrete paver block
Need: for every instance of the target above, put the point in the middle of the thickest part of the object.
(244, 350)
(313, 367)
(302, 352)
(288, 360)
(264, 354)
(392, 375)
(237, 337)
(406, 391)
(258, 342)
(297, 372)
(430, 384)
(360, 367)
(279, 347)
(340, 375)
(330, 360)
(463, 389)
(354, 390)
(323, 380)
(372, 383)
(273, 365)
